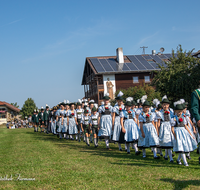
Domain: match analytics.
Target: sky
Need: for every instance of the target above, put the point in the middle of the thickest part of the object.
(44, 43)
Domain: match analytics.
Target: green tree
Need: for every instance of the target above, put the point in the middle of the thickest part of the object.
(15, 104)
(138, 91)
(180, 76)
(28, 107)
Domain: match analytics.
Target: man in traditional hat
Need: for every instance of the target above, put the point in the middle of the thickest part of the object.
(46, 119)
(195, 108)
(41, 119)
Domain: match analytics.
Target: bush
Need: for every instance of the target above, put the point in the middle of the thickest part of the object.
(138, 91)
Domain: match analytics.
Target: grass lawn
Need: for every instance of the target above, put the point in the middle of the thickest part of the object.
(65, 164)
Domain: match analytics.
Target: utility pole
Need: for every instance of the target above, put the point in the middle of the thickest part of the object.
(143, 49)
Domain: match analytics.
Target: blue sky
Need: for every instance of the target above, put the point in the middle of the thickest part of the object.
(44, 43)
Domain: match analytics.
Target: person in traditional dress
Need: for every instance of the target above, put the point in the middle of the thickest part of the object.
(91, 105)
(30, 123)
(52, 120)
(85, 125)
(33, 118)
(79, 112)
(46, 119)
(60, 119)
(72, 121)
(65, 127)
(158, 108)
(36, 120)
(138, 111)
(94, 124)
(41, 120)
(184, 142)
(129, 126)
(105, 120)
(165, 130)
(148, 136)
(116, 125)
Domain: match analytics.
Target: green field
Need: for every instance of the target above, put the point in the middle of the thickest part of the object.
(65, 164)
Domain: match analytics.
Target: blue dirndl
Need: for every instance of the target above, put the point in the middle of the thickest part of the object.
(184, 142)
(132, 131)
(65, 127)
(60, 126)
(117, 129)
(72, 126)
(105, 126)
(151, 137)
(53, 127)
(165, 135)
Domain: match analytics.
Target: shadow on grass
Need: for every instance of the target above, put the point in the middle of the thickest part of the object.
(181, 184)
(125, 159)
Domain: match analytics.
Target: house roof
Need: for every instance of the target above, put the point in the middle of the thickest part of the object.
(132, 63)
(9, 106)
(196, 53)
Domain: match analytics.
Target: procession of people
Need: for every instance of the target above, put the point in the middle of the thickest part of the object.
(136, 124)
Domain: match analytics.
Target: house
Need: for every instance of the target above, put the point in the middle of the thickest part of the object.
(196, 54)
(107, 74)
(8, 112)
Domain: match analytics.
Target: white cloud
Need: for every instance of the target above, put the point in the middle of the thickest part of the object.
(148, 38)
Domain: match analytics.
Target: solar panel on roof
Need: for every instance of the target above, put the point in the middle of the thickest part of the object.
(154, 64)
(158, 60)
(125, 67)
(168, 55)
(162, 56)
(144, 62)
(136, 62)
(132, 67)
(106, 65)
(113, 64)
(97, 65)
(147, 57)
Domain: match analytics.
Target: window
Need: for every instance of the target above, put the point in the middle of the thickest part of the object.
(135, 80)
(147, 78)
(151, 62)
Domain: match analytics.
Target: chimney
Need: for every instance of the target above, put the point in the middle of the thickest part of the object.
(153, 52)
(120, 56)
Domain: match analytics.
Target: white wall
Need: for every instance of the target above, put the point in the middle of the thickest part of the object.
(112, 79)
(2, 121)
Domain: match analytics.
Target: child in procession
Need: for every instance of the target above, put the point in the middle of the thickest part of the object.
(148, 136)
(79, 112)
(129, 126)
(94, 125)
(72, 121)
(184, 142)
(105, 120)
(164, 125)
(116, 125)
(85, 126)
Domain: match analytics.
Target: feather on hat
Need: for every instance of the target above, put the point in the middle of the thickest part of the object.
(120, 94)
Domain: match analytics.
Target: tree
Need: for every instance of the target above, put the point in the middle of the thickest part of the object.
(15, 104)
(180, 76)
(28, 107)
(138, 91)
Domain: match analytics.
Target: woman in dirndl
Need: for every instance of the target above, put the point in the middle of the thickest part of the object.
(64, 119)
(59, 119)
(116, 126)
(72, 121)
(105, 120)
